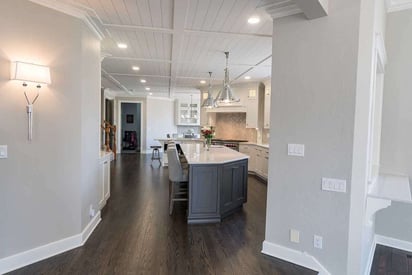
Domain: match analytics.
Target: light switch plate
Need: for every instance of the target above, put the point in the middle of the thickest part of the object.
(317, 241)
(294, 236)
(297, 150)
(334, 185)
(3, 151)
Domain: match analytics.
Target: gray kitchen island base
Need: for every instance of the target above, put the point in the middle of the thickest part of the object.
(216, 190)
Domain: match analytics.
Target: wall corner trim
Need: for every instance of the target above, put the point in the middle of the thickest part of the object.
(294, 256)
(48, 250)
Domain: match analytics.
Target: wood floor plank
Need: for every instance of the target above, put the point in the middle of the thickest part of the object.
(137, 235)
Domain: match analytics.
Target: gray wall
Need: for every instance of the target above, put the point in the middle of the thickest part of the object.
(396, 149)
(47, 185)
(313, 101)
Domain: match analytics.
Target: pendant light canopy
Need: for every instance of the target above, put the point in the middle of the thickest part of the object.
(209, 102)
(226, 95)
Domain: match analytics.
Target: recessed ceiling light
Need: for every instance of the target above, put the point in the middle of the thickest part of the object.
(202, 81)
(142, 80)
(150, 93)
(135, 68)
(122, 45)
(253, 20)
(147, 88)
(247, 77)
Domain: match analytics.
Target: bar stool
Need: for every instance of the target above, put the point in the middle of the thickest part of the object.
(156, 153)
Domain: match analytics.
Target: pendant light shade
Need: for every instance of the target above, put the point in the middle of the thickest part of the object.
(226, 95)
(209, 102)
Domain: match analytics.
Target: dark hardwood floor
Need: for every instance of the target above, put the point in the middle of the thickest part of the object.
(391, 261)
(137, 235)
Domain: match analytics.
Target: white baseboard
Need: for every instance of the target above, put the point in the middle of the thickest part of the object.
(294, 256)
(90, 227)
(48, 250)
(392, 242)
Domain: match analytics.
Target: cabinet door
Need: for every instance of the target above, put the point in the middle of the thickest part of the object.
(265, 163)
(252, 109)
(233, 187)
(266, 114)
(259, 160)
(106, 180)
(187, 113)
(204, 193)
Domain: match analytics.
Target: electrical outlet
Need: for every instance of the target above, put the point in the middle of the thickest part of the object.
(294, 236)
(317, 241)
(3, 151)
(91, 211)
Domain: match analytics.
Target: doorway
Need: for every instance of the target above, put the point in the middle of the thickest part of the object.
(130, 130)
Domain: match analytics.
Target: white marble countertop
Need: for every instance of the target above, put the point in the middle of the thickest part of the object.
(181, 139)
(256, 144)
(218, 154)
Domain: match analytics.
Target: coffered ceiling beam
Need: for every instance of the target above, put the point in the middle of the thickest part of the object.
(313, 8)
(138, 28)
(251, 68)
(139, 59)
(281, 8)
(188, 31)
(180, 62)
(113, 80)
(180, 9)
(226, 34)
(141, 75)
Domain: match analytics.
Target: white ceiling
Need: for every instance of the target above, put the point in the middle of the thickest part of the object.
(175, 43)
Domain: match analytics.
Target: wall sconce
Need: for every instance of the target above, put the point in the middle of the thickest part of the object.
(28, 72)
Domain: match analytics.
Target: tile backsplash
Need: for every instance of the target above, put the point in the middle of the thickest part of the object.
(233, 126)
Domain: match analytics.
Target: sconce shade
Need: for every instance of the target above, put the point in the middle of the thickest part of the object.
(30, 72)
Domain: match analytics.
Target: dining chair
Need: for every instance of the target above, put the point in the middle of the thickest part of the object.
(178, 177)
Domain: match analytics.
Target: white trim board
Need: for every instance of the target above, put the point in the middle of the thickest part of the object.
(398, 5)
(48, 250)
(370, 257)
(392, 242)
(294, 256)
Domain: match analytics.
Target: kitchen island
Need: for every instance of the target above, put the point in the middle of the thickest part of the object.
(165, 141)
(217, 182)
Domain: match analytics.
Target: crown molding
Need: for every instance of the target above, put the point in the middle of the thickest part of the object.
(398, 5)
(72, 11)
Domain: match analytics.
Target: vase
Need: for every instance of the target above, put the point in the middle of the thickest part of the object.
(208, 143)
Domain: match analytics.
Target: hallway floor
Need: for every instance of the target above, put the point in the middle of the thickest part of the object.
(137, 235)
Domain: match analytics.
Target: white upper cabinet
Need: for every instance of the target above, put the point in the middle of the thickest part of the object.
(187, 112)
(254, 106)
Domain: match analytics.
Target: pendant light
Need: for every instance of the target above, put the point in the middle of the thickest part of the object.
(226, 95)
(209, 102)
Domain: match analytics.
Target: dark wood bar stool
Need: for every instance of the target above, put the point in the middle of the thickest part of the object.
(156, 153)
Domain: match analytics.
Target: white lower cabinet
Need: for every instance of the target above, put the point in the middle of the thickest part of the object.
(104, 178)
(259, 158)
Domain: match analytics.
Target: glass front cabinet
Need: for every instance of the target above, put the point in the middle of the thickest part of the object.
(187, 112)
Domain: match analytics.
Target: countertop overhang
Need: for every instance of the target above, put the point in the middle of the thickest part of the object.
(217, 154)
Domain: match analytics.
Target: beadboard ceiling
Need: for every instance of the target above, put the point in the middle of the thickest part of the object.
(175, 43)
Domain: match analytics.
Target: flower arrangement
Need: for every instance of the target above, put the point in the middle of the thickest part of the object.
(207, 132)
